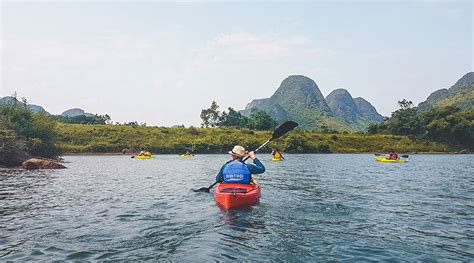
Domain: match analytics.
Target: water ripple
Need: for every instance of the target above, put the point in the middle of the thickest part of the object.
(313, 208)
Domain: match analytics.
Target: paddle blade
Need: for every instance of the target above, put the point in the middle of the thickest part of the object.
(404, 156)
(283, 129)
(202, 189)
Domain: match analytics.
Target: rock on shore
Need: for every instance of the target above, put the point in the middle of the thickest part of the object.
(35, 163)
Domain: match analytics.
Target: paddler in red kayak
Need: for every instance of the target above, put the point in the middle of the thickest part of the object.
(236, 171)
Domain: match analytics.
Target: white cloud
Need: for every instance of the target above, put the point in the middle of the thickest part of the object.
(251, 46)
(237, 47)
(76, 53)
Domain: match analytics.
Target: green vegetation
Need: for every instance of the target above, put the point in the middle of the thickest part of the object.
(404, 121)
(316, 119)
(460, 95)
(83, 119)
(299, 99)
(463, 99)
(24, 132)
(74, 138)
(259, 120)
(449, 124)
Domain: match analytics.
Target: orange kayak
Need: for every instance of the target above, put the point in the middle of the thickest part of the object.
(234, 195)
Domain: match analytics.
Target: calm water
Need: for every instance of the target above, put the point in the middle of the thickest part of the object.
(313, 207)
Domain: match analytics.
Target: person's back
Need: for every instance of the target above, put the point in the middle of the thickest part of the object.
(236, 171)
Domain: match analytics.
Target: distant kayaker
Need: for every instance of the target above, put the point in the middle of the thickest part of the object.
(277, 155)
(236, 171)
(188, 152)
(393, 156)
(142, 153)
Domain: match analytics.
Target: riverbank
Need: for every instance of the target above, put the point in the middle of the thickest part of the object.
(11, 169)
(112, 139)
(261, 153)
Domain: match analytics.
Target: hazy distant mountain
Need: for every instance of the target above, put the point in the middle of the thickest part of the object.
(76, 112)
(35, 108)
(31, 107)
(342, 105)
(367, 110)
(298, 98)
(354, 111)
(461, 95)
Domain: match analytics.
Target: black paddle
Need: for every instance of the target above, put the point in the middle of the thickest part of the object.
(280, 131)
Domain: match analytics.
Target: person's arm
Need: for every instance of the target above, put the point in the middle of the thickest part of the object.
(220, 175)
(257, 167)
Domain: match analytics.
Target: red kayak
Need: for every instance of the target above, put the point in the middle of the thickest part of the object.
(234, 195)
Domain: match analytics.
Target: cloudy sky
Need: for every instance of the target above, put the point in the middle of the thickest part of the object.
(161, 63)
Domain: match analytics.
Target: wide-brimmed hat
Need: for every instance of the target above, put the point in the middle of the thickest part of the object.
(238, 151)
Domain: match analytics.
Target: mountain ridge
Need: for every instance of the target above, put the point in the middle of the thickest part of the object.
(31, 107)
(74, 112)
(36, 108)
(461, 95)
(298, 98)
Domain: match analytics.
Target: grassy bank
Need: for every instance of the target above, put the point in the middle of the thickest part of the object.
(78, 138)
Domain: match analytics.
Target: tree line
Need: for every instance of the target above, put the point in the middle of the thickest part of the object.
(25, 132)
(448, 124)
(258, 120)
(83, 119)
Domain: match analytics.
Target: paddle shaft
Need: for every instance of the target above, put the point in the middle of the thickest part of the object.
(256, 150)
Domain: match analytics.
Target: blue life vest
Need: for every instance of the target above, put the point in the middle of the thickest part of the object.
(236, 172)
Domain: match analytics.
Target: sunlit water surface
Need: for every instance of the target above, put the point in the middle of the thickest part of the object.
(313, 207)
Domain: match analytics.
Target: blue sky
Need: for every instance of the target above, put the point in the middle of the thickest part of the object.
(161, 63)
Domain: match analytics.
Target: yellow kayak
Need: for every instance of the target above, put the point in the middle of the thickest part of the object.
(186, 155)
(143, 157)
(277, 159)
(386, 160)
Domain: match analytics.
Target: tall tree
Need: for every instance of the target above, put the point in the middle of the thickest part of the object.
(406, 121)
(405, 104)
(260, 120)
(232, 119)
(210, 116)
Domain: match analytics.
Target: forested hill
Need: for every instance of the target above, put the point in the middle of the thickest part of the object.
(299, 98)
(460, 95)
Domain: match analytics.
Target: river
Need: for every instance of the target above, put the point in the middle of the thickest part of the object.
(313, 207)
